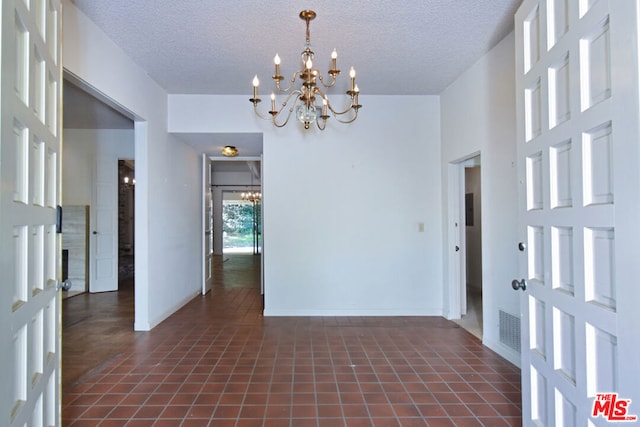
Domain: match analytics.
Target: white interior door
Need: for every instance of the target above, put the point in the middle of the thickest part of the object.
(104, 235)
(455, 264)
(207, 225)
(30, 248)
(577, 109)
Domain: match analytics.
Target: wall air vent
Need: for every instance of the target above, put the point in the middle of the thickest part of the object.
(510, 330)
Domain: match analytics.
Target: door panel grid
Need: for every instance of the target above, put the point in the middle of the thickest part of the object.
(30, 192)
(569, 136)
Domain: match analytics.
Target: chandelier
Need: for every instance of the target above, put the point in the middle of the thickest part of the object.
(128, 183)
(251, 196)
(309, 101)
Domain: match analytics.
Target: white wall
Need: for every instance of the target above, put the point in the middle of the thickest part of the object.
(82, 148)
(478, 116)
(168, 177)
(342, 207)
(78, 155)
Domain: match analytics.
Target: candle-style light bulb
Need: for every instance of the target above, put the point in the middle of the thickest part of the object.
(256, 83)
(352, 74)
(324, 106)
(334, 57)
(309, 64)
(276, 60)
(273, 101)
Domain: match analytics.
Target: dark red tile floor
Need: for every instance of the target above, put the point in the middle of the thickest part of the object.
(217, 362)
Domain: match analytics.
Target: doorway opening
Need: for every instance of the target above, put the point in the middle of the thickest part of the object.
(472, 294)
(469, 216)
(236, 222)
(126, 222)
(97, 135)
(241, 224)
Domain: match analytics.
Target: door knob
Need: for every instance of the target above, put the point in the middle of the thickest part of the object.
(522, 246)
(519, 284)
(64, 285)
(457, 248)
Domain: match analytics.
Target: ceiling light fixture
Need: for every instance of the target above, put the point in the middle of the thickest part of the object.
(229, 151)
(304, 100)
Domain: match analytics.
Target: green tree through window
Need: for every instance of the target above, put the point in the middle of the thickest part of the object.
(237, 224)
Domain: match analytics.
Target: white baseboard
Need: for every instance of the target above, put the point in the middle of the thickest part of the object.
(147, 326)
(351, 312)
(504, 351)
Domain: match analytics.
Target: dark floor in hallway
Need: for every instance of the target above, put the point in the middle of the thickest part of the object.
(95, 329)
(217, 362)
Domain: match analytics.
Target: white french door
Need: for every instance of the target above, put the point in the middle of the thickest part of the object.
(207, 225)
(579, 207)
(30, 248)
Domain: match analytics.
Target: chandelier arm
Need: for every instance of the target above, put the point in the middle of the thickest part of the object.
(255, 108)
(324, 124)
(283, 124)
(334, 111)
(285, 103)
(327, 85)
(291, 82)
(339, 113)
(355, 116)
(298, 93)
(330, 107)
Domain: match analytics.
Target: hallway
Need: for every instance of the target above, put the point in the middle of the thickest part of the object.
(217, 362)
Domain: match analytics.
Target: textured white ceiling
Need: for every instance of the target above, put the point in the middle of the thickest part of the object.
(215, 47)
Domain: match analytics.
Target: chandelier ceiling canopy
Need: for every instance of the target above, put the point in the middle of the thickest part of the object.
(309, 101)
